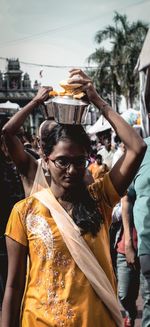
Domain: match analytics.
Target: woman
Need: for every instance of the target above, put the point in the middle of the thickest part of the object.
(98, 169)
(60, 291)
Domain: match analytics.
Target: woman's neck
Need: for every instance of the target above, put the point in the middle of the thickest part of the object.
(58, 191)
(71, 195)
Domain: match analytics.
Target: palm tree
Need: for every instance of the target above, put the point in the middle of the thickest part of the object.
(104, 76)
(126, 41)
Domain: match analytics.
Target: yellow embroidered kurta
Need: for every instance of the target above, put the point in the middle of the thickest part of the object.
(57, 292)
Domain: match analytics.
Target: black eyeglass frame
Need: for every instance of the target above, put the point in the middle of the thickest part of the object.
(86, 160)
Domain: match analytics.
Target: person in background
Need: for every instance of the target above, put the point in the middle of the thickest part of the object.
(98, 169)
(118, 153)
(107, 152)
(127, 265)
(61, 288)
(117, 210)
(26, 141)
(141, 214)
(11, 191)
(93, 155)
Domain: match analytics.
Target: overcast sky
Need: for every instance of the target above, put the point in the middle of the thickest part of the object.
(58, 32)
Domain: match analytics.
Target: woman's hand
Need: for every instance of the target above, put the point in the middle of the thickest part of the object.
(43, 94)
(78, 76)
(131, 256)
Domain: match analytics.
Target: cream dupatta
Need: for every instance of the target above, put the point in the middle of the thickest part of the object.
(86, 261)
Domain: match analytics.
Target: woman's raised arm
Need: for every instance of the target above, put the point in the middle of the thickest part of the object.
(23, 160)
(126, 167)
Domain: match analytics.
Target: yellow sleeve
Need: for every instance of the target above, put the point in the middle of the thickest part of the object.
(106, 196)
(110, 193)
(15, 228)
(103, 190)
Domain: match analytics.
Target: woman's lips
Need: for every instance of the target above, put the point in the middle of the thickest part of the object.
(70, 180)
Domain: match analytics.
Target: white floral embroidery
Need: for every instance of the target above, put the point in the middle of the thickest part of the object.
(39, 227)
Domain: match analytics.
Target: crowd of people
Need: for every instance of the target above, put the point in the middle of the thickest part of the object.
(80, 234)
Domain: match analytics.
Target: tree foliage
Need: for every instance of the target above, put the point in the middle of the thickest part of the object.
(114, 75)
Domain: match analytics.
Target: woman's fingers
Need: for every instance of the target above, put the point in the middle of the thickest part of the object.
(78, 73)
(78, 76)
(78, 80)
(43, 93)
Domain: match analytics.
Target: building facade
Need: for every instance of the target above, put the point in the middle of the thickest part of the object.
(15, 86)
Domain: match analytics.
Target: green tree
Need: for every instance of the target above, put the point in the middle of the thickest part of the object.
(104, 76)
(115, 68)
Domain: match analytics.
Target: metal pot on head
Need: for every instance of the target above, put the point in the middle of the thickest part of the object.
(68, 110)
(47, 109)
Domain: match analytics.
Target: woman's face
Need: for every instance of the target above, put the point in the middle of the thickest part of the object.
(67, 153)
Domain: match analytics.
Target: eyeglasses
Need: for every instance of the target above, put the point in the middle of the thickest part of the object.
(65, 162)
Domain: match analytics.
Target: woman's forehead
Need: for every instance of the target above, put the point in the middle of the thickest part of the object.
(68, 147)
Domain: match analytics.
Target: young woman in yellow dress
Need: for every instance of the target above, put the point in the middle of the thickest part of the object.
(60, 291)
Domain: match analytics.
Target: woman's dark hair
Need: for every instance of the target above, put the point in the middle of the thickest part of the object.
(85, 212)
(52, 133)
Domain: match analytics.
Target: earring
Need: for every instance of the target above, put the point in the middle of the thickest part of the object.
(47, 173)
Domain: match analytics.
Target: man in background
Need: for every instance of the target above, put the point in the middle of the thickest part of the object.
(141, 213)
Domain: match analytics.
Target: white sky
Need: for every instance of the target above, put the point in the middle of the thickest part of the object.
(58, 32)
